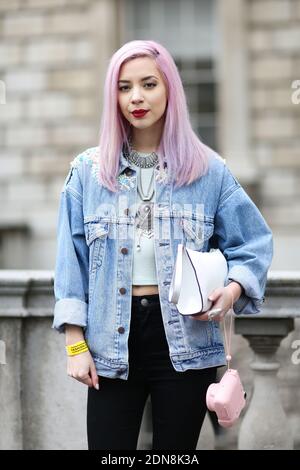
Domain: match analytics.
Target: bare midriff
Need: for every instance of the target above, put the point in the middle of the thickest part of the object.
(144, 290)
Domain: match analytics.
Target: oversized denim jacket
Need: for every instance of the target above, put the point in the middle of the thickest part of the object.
(93, 272)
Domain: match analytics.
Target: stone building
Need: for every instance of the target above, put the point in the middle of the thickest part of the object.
(239, 61)
(238, 80)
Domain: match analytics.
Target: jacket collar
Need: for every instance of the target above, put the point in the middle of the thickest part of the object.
(124, 164)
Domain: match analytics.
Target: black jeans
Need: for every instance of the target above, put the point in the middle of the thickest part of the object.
(178, 399)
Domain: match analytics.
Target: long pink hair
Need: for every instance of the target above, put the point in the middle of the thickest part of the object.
(180, 147)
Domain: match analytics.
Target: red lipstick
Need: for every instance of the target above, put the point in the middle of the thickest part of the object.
(139, 113)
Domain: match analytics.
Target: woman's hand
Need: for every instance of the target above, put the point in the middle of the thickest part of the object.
(222, 298)
(82, 368)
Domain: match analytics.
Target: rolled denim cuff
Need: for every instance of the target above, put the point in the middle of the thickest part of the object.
(70, 311)
(250, 300)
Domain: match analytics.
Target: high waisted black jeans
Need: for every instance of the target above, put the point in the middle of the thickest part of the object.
(178, 399)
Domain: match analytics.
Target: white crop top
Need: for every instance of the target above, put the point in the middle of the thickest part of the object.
(144, 268)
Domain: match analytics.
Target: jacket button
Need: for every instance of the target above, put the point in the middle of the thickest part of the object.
(121, 329)
(126, 211)
(122, 290)
(124, 251)
(145, 302)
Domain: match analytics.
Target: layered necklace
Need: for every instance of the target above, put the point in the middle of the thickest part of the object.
(144, 223)
(142, 161)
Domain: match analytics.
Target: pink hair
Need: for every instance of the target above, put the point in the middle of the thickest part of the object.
(181, 148)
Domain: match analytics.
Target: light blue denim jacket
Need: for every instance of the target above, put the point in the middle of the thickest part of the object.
(93, 272)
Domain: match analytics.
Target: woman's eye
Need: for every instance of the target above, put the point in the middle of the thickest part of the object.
(147, 85)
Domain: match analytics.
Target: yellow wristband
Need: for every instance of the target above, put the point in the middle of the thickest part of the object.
(77, 348)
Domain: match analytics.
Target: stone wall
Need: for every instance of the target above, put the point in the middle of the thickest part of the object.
(274, 64)
(53, 56)
(50, 51)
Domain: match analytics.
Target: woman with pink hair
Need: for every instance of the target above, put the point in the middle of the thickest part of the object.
(125, 206)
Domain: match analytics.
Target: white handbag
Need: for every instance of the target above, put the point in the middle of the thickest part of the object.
(196, 274)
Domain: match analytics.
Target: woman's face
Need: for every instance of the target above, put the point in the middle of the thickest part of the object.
(136, 92)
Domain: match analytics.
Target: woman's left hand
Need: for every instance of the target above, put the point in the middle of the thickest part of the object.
(222, 298)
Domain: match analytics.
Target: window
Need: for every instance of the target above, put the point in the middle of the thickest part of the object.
(187, 29)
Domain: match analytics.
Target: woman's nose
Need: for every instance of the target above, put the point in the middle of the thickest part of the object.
(136, 97)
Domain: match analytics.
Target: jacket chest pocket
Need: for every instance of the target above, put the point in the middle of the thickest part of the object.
(96, 237)
(189, 227)
(197, 230)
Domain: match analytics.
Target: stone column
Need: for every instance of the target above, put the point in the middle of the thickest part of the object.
(12, 289)
(233, 94)
(265, 425)
(2, 352)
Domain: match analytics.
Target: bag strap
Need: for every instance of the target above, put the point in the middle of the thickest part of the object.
(177, 278)
(194, 275)
(228, 340)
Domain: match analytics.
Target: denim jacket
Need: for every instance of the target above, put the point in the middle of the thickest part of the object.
(93, 272)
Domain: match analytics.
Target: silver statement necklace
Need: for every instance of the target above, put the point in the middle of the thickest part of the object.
(148, 161)
(142, 161)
